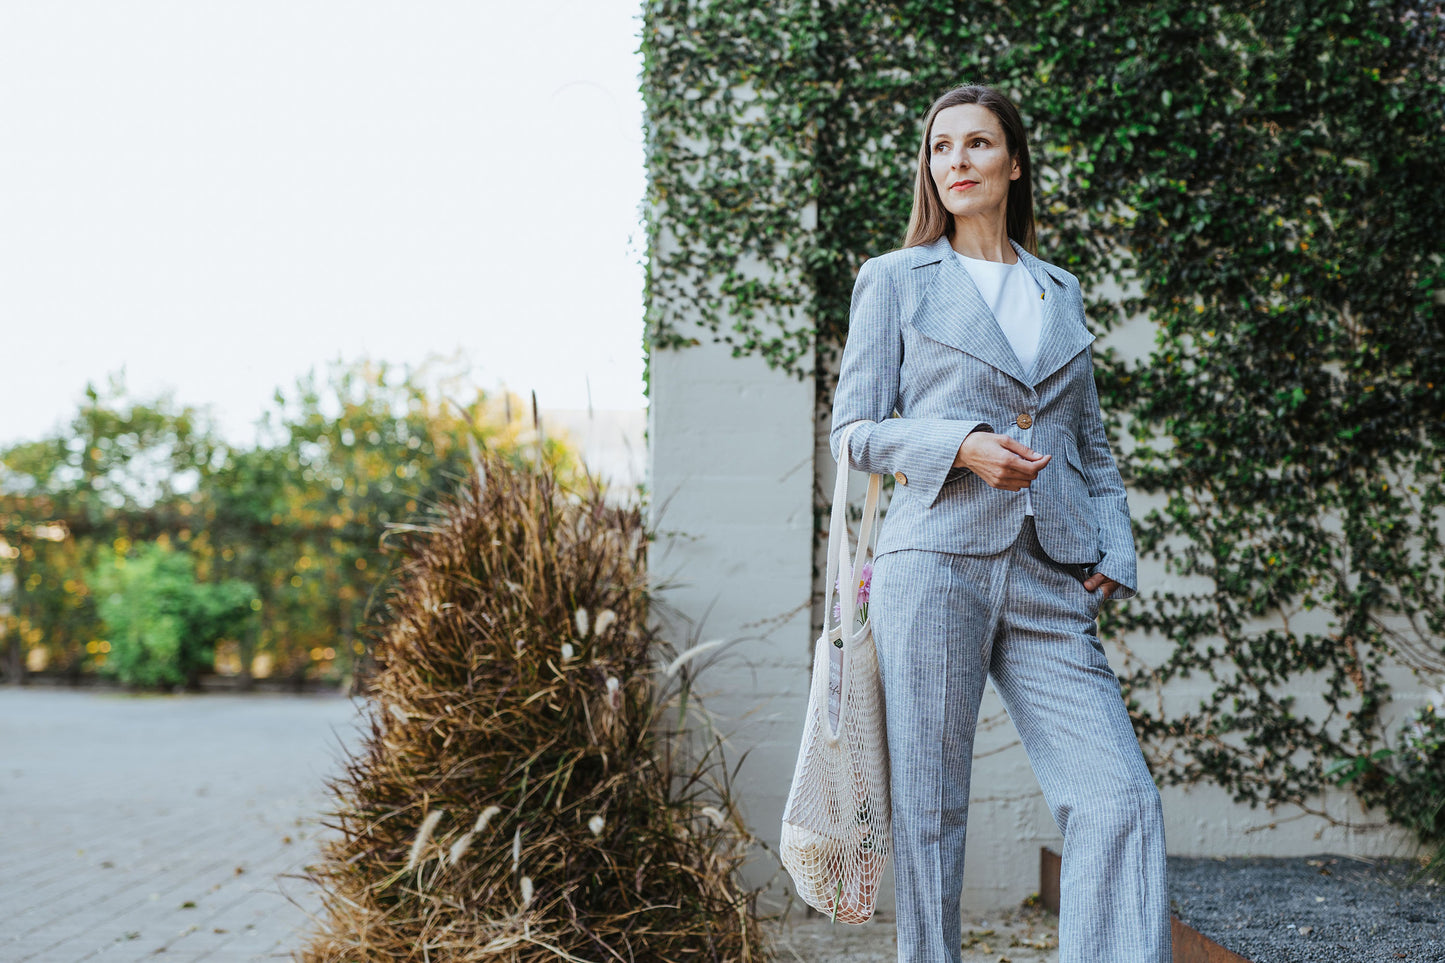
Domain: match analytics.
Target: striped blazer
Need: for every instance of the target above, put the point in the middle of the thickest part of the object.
(923, 343)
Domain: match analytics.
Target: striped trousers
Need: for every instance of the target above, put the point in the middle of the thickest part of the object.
(943, 623)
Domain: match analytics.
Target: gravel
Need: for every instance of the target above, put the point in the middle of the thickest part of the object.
(1315, 909)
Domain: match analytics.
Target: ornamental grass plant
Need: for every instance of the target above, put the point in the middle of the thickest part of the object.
(533, 785)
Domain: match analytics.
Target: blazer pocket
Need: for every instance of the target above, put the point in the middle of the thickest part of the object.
(1076, 492)
(1071, 455)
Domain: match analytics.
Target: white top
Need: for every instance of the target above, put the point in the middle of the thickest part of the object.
(1012, 294)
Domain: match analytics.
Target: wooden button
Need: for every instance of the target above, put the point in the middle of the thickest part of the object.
(900, 478)
(1023, 420)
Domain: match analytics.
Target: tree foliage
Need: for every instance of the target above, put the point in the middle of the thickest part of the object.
(163, 625)
(296, 515)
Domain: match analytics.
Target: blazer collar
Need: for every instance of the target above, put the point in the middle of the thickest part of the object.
(953, 311)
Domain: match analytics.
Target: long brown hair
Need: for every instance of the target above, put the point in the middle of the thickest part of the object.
(930, 218)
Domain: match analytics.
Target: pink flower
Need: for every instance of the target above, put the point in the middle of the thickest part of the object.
(863, 588)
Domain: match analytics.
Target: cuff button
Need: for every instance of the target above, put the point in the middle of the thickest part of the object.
(900, 478)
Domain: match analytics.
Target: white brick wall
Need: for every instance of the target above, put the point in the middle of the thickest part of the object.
(730, 480)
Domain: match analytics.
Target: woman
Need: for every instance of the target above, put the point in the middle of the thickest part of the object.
(994, 561)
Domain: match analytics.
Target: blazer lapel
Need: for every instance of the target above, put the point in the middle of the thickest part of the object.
(953, 311)
(1064, 332)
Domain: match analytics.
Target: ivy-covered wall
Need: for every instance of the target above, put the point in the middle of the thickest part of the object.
(1264, 178)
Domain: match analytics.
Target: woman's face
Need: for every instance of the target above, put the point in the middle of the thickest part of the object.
(969, 160)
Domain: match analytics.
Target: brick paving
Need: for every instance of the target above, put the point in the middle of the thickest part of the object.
(159, 827)
(163, 827)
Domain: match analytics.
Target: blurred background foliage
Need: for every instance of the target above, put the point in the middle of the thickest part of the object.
(163, 624)
(137, 543)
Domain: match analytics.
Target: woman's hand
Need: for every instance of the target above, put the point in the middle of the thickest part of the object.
(1099, 578)
(1001, 461)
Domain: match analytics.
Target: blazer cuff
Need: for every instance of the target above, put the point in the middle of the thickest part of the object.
(944, 439)
(922, 449)
(1124, 574)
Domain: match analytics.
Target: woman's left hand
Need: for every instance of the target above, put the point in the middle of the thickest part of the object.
(1099, 578)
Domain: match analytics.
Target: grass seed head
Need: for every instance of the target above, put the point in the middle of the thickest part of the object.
(471, 711)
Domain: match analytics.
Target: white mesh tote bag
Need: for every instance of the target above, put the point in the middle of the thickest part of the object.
(837, 823)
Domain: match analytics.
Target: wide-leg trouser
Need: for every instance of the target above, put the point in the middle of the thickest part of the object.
(943, 623)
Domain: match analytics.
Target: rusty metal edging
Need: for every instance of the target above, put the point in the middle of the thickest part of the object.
(1190, 945)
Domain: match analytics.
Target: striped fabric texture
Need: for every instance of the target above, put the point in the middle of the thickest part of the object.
(923, 342)
(942, 624)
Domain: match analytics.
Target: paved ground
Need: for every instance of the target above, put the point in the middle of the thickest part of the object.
(154, 827)
(1023, 936)
(159, 828)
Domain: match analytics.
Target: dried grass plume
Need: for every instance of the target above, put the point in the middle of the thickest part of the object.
(519, 795)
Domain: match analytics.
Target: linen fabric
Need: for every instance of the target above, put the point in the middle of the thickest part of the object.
(942, 624)
(922, 342)
(1012, 295)
(969, 586)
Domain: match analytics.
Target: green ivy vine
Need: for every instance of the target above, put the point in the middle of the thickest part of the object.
(1265, 177)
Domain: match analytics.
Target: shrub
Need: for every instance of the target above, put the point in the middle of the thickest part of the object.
(519, 795)
(162, 624)
(1408, 780)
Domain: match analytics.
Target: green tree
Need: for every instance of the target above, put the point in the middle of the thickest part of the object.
(162, 624)
(343, 455)
(297, 515)
(122, 471)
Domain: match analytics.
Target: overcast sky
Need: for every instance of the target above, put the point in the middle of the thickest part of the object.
(219, 196)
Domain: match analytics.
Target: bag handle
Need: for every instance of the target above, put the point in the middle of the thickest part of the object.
(840, 555)
(839, 653)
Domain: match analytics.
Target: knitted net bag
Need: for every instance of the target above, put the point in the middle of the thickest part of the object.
(838, 819)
